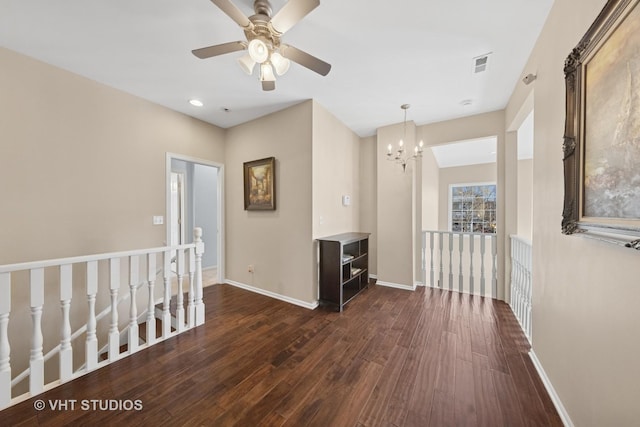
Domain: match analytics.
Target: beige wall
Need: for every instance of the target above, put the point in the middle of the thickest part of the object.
(395, 231)
(585, 292)
(483, 173)
(369, 198)
(525, 197)
(83, 165)
(82, 168)
(279, 244)
(336, 172)
(430, 191)
(317, 162)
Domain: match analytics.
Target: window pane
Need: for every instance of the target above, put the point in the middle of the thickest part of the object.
(473, 208)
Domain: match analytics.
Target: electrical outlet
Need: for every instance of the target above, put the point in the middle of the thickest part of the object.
(250, 268)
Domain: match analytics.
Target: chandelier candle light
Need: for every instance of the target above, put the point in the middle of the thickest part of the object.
(401, 157)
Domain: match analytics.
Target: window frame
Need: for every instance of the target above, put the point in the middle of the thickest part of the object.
(470, 184)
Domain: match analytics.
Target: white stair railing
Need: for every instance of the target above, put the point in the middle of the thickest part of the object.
(461, 262)
(64, 268)
(521, 283)
(64, 348)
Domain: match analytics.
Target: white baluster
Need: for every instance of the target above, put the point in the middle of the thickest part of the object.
(472, 241)
(460, 275)
(522, 284)
(198, 285)
(432, 278)
(441, 275)
(151, 315)
(114, 332)
(529, 264)
(482, 259)
(5, 348)
(36, 359)
(166, 314)
(450, 261)
(180, 296)
(91, 349)
(494, 266)
(514, 292)
(191, 302)
(66, 351)
(134, 278)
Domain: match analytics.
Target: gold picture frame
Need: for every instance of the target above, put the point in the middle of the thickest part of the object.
(602, 129)
(260, 184)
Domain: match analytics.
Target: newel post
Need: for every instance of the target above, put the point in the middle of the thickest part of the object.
(197, 238)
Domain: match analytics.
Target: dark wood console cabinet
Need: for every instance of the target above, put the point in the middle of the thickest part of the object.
(344, 267)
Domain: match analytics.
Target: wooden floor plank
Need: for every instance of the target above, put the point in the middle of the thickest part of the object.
(391, 358)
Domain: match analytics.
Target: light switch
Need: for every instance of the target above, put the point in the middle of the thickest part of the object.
(346, 200)
(158, 220)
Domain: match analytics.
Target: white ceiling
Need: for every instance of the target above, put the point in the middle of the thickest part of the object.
(463, 153)
(383, 54)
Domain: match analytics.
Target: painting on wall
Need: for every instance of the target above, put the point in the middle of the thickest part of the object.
(602, 128)
(259, 184)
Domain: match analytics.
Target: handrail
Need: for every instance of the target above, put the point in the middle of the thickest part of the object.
(8, 268)
(143, 268)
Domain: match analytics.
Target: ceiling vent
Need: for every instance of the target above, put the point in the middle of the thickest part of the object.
(480, 63)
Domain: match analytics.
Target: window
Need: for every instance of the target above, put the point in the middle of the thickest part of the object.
(472, 208)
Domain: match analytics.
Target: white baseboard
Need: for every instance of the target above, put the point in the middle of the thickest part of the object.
(564, 415)
(304, 304)
(396, 285)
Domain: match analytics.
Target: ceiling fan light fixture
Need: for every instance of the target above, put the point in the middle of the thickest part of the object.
(266, 73)
(247, 64)
(258, 50)
(280, 63)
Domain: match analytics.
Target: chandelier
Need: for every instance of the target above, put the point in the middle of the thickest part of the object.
(401, 156)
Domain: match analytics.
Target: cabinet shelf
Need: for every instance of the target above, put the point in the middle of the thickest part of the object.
(344, 267)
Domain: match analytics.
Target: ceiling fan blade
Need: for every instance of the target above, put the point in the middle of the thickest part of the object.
(267, 86)
(291, 13)
(234, 13)
(219, 49)
(306, 60)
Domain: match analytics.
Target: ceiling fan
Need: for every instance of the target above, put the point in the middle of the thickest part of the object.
(263, 33)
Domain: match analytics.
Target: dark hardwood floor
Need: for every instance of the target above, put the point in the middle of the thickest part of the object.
(392, 358)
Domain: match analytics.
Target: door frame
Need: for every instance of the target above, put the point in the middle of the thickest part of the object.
(220, 238)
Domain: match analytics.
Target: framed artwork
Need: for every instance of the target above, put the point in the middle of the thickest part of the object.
(602, 128)
(260, 185)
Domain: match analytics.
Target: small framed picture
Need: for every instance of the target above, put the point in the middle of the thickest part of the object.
(260, 184)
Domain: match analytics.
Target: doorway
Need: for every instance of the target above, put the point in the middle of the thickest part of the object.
(195, 199)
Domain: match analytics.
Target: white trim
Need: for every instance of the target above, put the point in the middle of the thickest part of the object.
(396, 285)
(373, 276)
(304, 304)
(220, 194)
(564, 415)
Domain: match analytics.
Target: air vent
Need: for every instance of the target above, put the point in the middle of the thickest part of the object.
(480, 63)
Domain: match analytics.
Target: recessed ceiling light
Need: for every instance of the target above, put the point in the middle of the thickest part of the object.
(196, 102)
